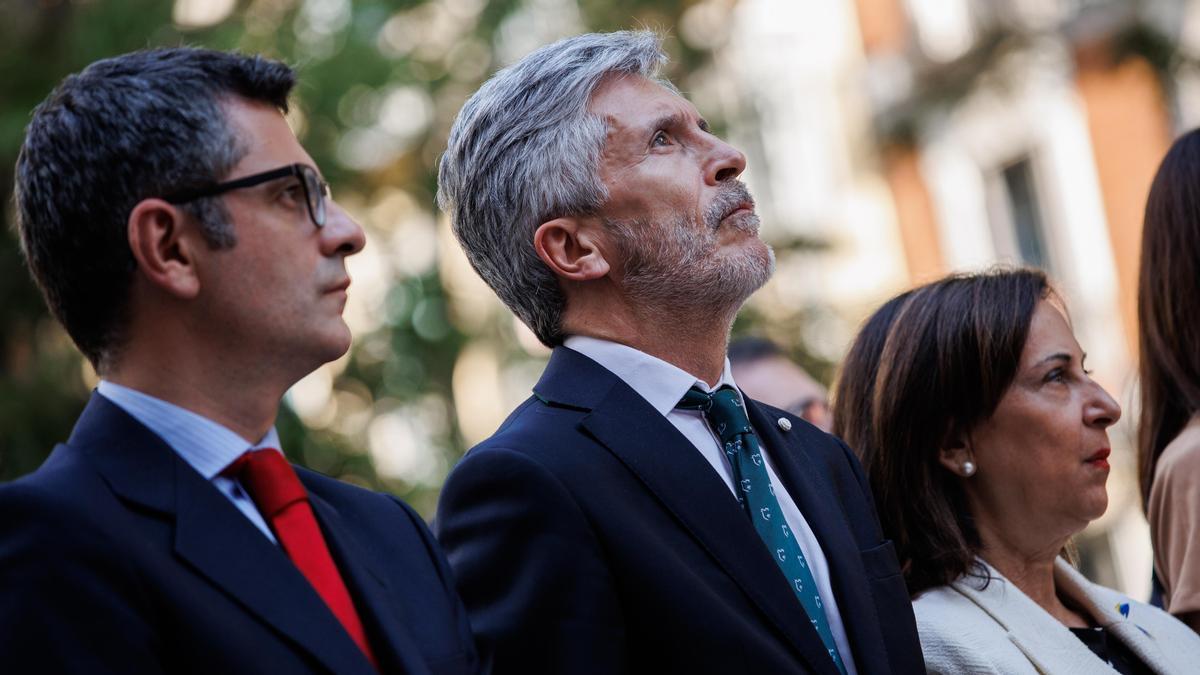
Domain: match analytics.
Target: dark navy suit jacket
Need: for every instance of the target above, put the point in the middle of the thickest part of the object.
(117, 557)
(589, 536)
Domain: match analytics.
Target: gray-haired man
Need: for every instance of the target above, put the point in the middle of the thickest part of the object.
(637, 514)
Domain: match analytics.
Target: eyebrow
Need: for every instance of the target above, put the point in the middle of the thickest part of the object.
(1060, 356)
(674, 120)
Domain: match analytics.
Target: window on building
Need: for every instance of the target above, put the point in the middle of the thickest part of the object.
(1025, 213)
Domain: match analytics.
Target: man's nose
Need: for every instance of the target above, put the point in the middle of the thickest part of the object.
(341, 234)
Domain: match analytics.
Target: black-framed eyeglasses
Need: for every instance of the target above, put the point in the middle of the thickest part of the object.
(315, 189)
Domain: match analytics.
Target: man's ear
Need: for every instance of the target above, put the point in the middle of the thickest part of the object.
(165, 255)
(957, 455)
(569, 247)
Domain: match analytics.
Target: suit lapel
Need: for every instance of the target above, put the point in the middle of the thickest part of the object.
(211, 536)
(820, 508)
(1045, 641)
(675, 472)
(1114, 612)
(369, 590)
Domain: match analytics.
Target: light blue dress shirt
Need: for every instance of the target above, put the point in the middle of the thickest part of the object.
(205, 445)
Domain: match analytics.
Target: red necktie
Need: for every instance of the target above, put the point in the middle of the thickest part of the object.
(283, 502)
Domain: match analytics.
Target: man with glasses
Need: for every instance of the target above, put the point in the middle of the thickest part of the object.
(188, 245)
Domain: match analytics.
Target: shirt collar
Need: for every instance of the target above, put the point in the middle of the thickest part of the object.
(659, 382)
(205, 445)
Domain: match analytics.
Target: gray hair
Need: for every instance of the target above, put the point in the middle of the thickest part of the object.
(524, 150)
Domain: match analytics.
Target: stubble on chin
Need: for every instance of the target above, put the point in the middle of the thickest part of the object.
(677, 265)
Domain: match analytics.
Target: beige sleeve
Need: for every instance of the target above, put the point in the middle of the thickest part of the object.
(1174, 514)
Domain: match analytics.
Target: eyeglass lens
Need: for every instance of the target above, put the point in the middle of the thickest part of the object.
(316, 195)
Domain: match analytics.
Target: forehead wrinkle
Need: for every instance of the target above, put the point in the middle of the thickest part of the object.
(663, 103)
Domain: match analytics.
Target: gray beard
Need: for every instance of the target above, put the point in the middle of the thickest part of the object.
(674, 266)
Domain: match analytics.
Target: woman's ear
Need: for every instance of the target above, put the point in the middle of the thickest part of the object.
(569, 248)
(957, 455)
(164, 255)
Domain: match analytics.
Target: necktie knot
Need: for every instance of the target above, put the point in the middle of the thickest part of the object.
(723, 408)
(269, 479)
(726, 414)
(283, 502)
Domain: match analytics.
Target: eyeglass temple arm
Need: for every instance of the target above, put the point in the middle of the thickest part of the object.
(184, 196)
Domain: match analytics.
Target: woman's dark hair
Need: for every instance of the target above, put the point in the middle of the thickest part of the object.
(1169, 323)
(855, 385)
(951, 353)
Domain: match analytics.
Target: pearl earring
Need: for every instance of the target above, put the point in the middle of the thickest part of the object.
(968, 468)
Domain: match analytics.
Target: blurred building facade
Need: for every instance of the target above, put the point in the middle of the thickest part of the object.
(920, 137)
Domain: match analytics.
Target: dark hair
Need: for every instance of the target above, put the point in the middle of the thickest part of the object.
(953, 350)
(750, 349)
(1168, 323)
(856, 379)
(123, 130)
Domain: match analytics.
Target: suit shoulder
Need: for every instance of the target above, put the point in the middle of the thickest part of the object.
(386, 528)
(812, 438)
(35, 497)
(329, 487)
(541, 432)
(826, 449)
(506, 461)
(53, 524)
(957, 636)
(942, 603)
(534, 417)
(520, 415)
(357, 499)
(798, 423)
(941, 612)
(496, 482)
(951, 620)
(64, 488)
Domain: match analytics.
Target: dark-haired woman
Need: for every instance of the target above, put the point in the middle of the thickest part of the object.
(856, 378)
(1169, 332)
(991, 454)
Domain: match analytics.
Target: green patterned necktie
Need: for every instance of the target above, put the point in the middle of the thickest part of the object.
(727, 416)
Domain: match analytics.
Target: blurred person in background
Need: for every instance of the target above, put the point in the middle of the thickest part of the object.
(188, 245)
(638, 514)
(766, 374)
(992, 453)
(1169, 339)
(852, 409)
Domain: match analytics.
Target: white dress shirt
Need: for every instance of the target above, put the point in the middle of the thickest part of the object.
(663, 385)
(206, 446)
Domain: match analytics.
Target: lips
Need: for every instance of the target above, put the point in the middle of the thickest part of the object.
(732, 199)
(747, 207)
(1099, 459)
(340, 286)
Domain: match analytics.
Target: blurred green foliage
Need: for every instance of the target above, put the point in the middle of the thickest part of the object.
(348, 56)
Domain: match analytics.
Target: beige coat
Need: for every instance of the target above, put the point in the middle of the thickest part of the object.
(1174, 514)
(999, 629)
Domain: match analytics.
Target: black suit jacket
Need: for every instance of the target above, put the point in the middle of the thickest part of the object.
(589, 536)
(117, 557)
